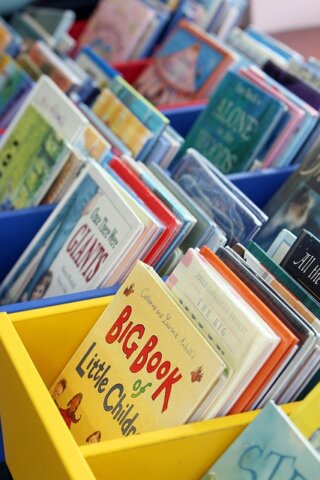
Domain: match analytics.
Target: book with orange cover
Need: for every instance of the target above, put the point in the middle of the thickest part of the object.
(287, 339)
(187, 66)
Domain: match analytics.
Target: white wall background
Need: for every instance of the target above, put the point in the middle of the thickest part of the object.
(281, 15)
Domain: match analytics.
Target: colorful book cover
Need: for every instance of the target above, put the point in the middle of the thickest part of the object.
(271, 447)
(30, 159)
(215, 197)
(231, 325)
(98, 69)
(237, 122)
(296, 203)
(187, 66)
(10, 41)
(15, 83)
(142, 366)
(80, 243)
(121, 121)
(115, 28)
(302, 262)
(306, 417)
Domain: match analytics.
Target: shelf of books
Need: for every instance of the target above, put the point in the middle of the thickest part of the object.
(159, 230)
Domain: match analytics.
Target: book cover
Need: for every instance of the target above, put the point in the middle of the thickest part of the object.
(236, 124)
(15, 84)
(216, 197)
(80, 243)
(187, 66)
(30, 158)
(142, 366)
(115, 28)
(289, 282)
(228, 321)
(302, 262)
(306, 417)
(287, 339)
(271, 447)
(122, 122)
(296, 204)
(281, 245)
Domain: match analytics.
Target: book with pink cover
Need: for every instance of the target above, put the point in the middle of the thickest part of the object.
(115, 28)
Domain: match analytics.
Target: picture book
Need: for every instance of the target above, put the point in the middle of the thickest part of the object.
(169, 220)
(79, 245)
(305, 73)
(306, 417)
(236, 124)
(215, 197)
(270, 447)
(302, 262)
(114, 29)
(275, 283)
(142, 367)
(229, 323)
(10, 41)
(122, 122)
(187, 66)
(291, 319)
(52, 65)
(296, 204)
(287, 340)
(15, 84)
(289, 282)
(31, 158)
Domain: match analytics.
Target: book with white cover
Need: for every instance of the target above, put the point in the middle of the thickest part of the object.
(79, 245)
(231, 325)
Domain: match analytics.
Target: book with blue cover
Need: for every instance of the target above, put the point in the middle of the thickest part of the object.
(237, 122)
(96, 66)
(215, 197)
(271, 447)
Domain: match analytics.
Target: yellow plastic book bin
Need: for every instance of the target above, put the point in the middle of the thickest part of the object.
(34, 346)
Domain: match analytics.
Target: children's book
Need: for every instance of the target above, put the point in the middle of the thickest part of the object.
(306, 417)
(122, 122)
(284, 350)
(291, 319)
(302, 262)
(238, 121)
(115, 28)
(296, 203)
(98, 69)
(303, 71)
(169, 220)
(143, 366)
(79, 245)
(187, 66)
(15, 84)
(10, 41)
(232, 326)
(271, 447)
(215, 197)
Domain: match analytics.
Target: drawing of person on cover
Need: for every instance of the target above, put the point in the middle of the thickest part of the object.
(69, 413)
(95, 437)
(49, 245)
(58, 390)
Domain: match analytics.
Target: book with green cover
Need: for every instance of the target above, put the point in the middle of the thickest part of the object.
(30, 159)
(284, 278)
(237, 122)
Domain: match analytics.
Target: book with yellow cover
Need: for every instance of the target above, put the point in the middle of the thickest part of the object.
(307, 417)
(121, 121)
(143, 366)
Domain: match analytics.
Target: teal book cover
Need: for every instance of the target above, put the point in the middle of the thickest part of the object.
(270, 448)
(31, 156)
(238, 121)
